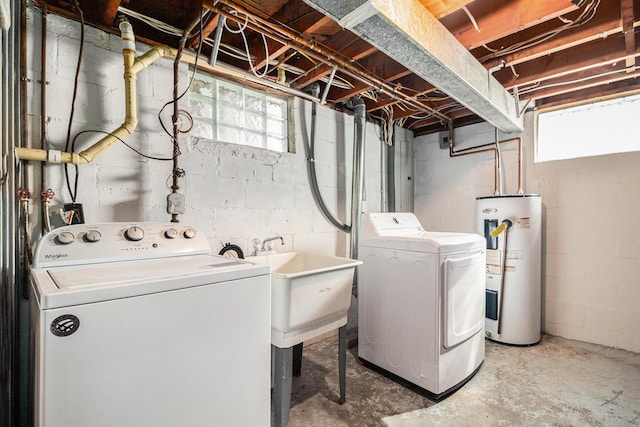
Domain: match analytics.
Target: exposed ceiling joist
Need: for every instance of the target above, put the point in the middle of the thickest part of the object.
(604, 54)
(345, 43)
(440, 8)
(605, 23)
(554, 51)
(627, 18)
(496, 20)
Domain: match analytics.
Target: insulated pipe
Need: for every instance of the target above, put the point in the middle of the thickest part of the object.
(359, 121)
(132, 66)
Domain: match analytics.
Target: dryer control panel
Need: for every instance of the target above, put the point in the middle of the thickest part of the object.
(108, 242)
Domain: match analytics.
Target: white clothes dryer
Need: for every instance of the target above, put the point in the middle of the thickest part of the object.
(421, 303)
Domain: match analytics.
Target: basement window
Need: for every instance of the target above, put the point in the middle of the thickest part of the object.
(228, 112)
(593, 129)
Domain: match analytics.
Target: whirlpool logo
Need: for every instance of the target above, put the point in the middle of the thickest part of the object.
(64, 325)
(56, 256)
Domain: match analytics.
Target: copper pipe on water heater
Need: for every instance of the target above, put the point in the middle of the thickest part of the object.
(474, 150)
(487, 148)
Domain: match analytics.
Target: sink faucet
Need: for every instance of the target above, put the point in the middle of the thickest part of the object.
(270, 239)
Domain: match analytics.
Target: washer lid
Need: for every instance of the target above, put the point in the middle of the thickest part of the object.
(81, 284)
(403, 224)
(432, 242)
(402, 230)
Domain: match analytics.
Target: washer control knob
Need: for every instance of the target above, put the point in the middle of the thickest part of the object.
(64, 238)
(134, 233)
(189, 233)
(171, 233)
(92, 236)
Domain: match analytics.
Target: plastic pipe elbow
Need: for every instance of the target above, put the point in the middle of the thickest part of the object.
(127, 36)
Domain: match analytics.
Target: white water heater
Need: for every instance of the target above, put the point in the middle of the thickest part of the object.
(512, 227)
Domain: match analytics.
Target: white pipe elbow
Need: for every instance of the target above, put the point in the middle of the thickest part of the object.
(127, 36)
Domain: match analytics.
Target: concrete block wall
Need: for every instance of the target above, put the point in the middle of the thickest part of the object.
(591, 255)
(233, 193)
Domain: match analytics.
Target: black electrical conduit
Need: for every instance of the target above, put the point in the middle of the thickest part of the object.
(311, 169)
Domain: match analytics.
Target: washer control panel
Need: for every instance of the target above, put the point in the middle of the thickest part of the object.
(108, 242)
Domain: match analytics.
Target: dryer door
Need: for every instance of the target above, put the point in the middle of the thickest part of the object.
(463, 297)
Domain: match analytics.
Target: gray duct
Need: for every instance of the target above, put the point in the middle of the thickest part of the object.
(407, 32)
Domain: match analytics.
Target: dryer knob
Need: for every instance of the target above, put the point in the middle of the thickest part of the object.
(65, 238)
(189, 233)
(134, 233)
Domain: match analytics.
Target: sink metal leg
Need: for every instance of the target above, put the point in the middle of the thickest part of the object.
(342, 362)
(282, 385)
(297, 360)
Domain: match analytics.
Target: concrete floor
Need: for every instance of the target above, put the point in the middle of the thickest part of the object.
(559, 382)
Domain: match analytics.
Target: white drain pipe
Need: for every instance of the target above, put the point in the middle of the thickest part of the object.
(132, 66)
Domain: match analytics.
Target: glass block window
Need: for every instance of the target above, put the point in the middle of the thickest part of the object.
(228, 112)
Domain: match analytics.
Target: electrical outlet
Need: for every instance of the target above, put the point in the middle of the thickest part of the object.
(175, 204)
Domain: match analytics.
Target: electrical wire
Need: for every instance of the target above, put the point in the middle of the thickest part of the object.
(180, 173)
(73, 193)
(152, 22)
(387, 128)
(147, 156)
(585, 16)
(240, 30)
(538, 86)
(229, 50)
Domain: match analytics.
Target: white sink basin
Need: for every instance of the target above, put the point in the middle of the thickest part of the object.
(310, 294)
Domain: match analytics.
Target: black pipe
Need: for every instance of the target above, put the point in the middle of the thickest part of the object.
(357, 187)
(311, 169)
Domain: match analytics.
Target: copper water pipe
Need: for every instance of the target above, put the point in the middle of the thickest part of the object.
(491, 147)
(328, 57)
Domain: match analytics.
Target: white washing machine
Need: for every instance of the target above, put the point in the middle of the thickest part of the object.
(421, 302)
(138, 325)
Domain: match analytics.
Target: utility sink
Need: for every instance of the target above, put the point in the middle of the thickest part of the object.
(310, 294)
